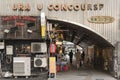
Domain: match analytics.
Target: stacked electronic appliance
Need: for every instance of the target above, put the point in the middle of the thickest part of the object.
(40, 60)
(22, 66)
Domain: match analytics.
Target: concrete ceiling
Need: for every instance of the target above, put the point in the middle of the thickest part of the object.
(78, 34)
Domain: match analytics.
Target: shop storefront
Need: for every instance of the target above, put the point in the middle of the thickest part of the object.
(34, 32)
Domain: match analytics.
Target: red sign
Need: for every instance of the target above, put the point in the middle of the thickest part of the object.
(19, 24)
(52, 48)
(27, 18)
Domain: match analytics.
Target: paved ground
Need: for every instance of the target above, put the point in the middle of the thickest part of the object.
(40, 77)
(72, 75)
(83, 75)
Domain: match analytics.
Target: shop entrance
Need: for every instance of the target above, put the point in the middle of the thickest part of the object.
(95, 52)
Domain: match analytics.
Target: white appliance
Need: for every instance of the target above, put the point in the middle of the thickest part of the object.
(40, 62)
(9, 50)
(21, 66)
(38, 47)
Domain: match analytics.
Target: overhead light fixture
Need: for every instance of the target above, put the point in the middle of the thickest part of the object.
(29, 31)
(6, 31)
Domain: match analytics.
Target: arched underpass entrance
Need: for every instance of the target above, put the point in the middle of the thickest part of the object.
(98, 51)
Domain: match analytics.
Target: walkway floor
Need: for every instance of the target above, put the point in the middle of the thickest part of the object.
(73, 75)
(83, 75)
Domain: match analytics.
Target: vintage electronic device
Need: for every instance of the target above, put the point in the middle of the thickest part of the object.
(21, 66)
(9, 50)
(2, 45)
(38, 47)
(40, 62)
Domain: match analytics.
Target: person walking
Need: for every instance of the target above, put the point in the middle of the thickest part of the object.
(83, 55)
(82, 58)
(71, 56)
(77, 59)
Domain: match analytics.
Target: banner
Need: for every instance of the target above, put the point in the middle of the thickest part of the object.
(43, 25)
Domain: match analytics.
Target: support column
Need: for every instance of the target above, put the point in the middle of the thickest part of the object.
(116, 59)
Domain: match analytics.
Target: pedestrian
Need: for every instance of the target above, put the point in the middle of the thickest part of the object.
(82, 58)
(77, 54)
(71, 56)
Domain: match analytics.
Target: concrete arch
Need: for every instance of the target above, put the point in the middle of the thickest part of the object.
(94, 34)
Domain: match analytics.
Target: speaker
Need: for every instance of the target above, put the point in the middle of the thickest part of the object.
(31, 24)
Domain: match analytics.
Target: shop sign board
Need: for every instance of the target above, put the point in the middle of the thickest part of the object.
(43, 25)
(58, 7)
(101, 19)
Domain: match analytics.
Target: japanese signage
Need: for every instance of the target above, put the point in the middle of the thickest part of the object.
(101, 19)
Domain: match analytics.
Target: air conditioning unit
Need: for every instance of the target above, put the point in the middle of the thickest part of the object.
(38, 47)
(40, 62)
(21, 66)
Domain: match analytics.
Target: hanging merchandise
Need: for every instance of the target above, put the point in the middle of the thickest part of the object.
(60, 52)
(52, 48)
(60, 36)
(52, 36)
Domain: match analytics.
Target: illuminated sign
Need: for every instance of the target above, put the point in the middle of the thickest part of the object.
(101, 19)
